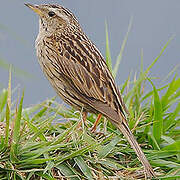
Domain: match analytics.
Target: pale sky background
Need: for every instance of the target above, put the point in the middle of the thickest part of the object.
(154, 22)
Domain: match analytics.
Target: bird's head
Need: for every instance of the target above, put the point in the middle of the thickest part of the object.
(54, 18)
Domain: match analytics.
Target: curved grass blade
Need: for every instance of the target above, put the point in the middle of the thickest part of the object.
(105, 150)
(16, 131)
(8, 109)
(108, 54)
(144, 74)
(68, 171)
(158, 115)
(84, 167)
(165, 163)
(3, 99)
(119, 58)
(109, 163)
(173, 87)
(45, 176)
(171, 72)
(173, 147)
(75, 153)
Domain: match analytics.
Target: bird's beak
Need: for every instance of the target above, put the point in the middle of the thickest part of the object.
(35, 8)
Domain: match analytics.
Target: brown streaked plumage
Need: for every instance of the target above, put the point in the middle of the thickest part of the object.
(78, 72)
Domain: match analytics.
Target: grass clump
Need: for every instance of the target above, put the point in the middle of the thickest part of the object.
(43, 141)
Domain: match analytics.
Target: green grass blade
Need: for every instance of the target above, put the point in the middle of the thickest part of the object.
(146, 96)
(109, 163)
(64, 135)
(16, 131)
(45, 176)
(39, 114)
(165, 163)
(75, 153)
(168, 139)
(84, 167)
(162, 154)
(173, 147)
(7, 125)
(158, 116)
(144, 74)
(160, 54)
(3, 99)
(34, 161)
(155, 143)
(108, 54)
(36, 131)
(8, 109)
(173, 87)
(68, 171)
(119, 58)
(171, 121)
(171, 73)
(105, 150)
(125, 84)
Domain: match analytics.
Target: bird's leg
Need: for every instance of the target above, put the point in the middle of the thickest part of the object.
(84, 116)
(96, 123)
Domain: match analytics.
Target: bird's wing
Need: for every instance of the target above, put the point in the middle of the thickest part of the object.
(86, 73)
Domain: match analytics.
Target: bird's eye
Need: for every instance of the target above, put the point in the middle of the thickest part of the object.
(51, 13)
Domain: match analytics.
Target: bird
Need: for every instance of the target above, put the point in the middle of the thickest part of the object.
(78, 72)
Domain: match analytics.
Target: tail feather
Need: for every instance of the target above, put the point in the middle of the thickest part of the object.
(134, 144)
(119, 120)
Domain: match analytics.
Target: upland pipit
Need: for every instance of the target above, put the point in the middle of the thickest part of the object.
(78, 72)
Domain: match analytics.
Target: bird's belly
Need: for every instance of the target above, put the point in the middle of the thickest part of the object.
(58, 83)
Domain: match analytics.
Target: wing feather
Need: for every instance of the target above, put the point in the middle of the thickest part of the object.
(87, 75)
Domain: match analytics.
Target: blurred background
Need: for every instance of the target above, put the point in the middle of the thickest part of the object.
(154, 23)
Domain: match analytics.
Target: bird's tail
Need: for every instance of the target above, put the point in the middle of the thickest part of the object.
(134, 144)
